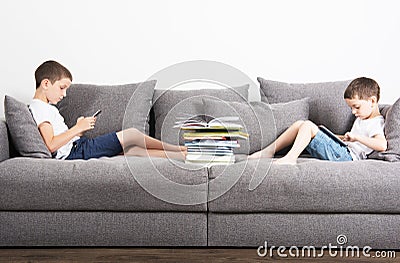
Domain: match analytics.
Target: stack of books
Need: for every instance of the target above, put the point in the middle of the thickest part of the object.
(211, 143)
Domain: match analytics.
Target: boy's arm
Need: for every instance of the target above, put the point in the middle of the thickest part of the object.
(54, 143)
(378, 142)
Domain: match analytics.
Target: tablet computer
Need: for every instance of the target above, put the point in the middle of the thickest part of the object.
(332, 135)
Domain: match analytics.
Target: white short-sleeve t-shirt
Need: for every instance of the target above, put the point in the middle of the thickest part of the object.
(368, 128)
(44, 112)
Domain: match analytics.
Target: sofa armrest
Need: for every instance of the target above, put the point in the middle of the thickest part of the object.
(4, 144)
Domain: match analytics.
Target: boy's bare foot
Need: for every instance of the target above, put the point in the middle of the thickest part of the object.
(262, 154)
(182, 149)
(177, 155)
(286, 160)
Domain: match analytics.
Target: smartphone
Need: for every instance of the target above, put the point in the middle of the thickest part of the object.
(96, 113)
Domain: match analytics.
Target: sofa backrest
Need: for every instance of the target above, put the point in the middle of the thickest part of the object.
(327, 106)
(383, 108)
(122, 106)
(4, 144)
(7, 150)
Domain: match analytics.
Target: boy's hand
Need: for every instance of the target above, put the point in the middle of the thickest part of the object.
(85, 124)
(80, 118)
(348, 137)
(377, 142)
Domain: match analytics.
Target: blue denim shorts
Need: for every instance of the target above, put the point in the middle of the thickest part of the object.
(106, 145)
(324, 148)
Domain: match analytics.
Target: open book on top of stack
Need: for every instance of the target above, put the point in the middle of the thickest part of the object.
(222, 123)
(211, 143)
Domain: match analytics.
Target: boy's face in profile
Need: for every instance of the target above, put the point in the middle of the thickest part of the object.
(362, 108)
(57, 91)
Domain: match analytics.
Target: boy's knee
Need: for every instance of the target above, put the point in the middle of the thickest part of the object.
(298, 123)
(135, 130)
(311, 125)
(132, 131)
(124, 135)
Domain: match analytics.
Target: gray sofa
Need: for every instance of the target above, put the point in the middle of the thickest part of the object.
(103, 202)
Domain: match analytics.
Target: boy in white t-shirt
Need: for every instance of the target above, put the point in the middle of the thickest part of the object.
(52, 83)
(366, 135)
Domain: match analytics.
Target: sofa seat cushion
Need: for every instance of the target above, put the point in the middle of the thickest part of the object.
(311, 186)
(105, 184)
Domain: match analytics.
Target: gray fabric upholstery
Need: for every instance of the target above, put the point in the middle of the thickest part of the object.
(130, 103)
(4, 145)
(57, 228)
(106, 184)
(170, 104)
(286, 113)
(312, 186)
(384, 108)
(392, 134)
(379, 231)
(264, 122)
(23, 130)
(327, 105)
(101, 202)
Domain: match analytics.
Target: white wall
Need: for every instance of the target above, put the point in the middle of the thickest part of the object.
(126, 41)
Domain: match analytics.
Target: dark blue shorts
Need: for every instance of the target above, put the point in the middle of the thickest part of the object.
(324, 148)
(106, 145)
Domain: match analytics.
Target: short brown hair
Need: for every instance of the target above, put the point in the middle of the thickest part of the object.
(51, 70)
(362, 87)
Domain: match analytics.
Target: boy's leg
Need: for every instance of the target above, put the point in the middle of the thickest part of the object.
(306, 132)
(284, 140)
(139, 151)
(133, 137)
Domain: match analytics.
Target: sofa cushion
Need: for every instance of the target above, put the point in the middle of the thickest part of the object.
(4, 144)
(99, 229)
(122, 106)
(171, 104)
(24, 132)
(263, 122)
(384, 108)
(105, 184)
(304, 232)
(311, 186)
(392, 134)
(327, 106)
